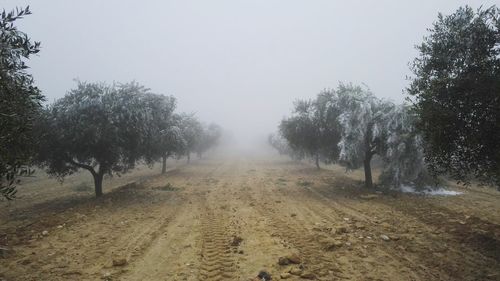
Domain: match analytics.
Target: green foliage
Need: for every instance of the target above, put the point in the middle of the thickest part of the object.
(162, 138)
(281, 145)
(107, 129)
(456, 93)
(313, 128)
(363, 121)
(19, 102)
(326, 116)
(208, 139)
(350, 125)
(192, 131)
(299, 130)
(403, 156)
(173, 141)
(101, 128)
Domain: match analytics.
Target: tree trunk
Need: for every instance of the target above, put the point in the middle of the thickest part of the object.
(317, 161)
(189, 157)
(164, 164)
(98, 176)
(368, 156)
(368, 171)
(98, 183)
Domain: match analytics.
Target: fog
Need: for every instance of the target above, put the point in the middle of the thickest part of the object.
(240, 64)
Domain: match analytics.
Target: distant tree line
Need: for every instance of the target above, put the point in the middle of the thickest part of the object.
(349, 126)
(450, 126)
(104, 129)
(107, 129)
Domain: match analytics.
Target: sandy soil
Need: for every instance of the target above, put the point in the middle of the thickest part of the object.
(229, 219)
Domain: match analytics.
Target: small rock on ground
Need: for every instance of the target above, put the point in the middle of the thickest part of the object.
(289, 259)
(285, 275)
(308, 275)
(236, 241)
(119, 262)
(264, 276)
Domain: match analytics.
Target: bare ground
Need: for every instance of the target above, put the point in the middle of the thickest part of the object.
(228, 219)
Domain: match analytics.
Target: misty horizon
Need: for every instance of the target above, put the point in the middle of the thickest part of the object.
(238, 64)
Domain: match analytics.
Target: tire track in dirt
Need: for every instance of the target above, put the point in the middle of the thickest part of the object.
(85, 250)
(257, 249)
(313, 207)
(315, 262)
(479, 234)
(421, 255)
(156, 257)
(421, 252)
(186, 234)
(217, 259)
(332, 210)
(332, 213)
(143, 243)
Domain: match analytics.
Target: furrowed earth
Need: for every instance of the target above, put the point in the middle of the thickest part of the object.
(231, 219)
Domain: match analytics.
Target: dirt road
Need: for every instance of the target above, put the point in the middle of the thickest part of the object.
(229, 219)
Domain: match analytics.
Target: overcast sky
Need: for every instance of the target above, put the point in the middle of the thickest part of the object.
(240, 64)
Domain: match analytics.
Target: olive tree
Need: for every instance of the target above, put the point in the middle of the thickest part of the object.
(373, 126)
(20, 101)
(208, 139)
(172, 142)
(313, 129)
(277, 142)
(191, 130)
(403, 158)
(164, 137)
(350, 125)
(364, 127)
(456, 94)
(280, 144)
(326, 116)
(300, 131)
(96, 127)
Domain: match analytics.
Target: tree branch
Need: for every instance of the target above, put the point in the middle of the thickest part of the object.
(83, 166)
